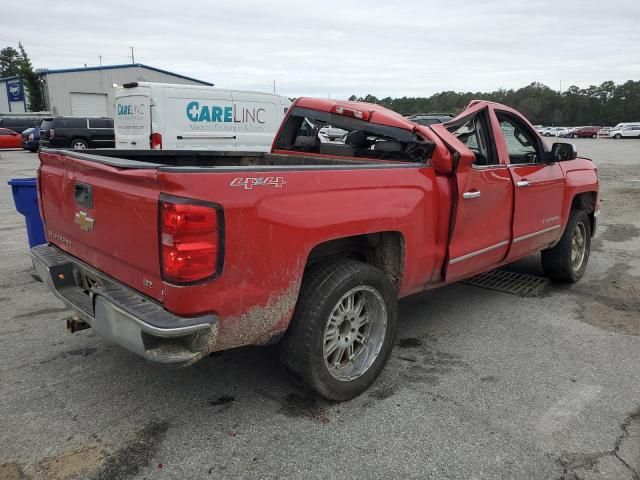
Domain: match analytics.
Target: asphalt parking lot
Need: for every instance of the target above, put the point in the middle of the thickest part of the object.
(481, 385)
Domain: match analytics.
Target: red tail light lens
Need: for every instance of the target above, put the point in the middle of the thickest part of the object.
(190, 241)
(155, 141)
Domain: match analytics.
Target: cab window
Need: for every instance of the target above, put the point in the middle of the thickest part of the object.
(316, 132)
(522, 144)
(474, 133)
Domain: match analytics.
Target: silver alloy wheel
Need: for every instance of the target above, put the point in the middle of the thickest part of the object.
(354, 333)
(578, 246)
(79, 145)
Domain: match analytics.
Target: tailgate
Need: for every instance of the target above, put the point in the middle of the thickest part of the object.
(104, 216)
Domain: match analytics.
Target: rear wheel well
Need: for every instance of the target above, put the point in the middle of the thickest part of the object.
(384, 250)
(586, 202)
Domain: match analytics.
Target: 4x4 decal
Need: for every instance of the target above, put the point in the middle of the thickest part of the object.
(249, 182)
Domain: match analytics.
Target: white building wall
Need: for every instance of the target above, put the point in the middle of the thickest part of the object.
(60, 86)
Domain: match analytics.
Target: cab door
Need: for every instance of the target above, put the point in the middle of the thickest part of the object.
(481, 231)
(539, 185)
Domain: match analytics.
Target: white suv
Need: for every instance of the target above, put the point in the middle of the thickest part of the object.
(630, 131)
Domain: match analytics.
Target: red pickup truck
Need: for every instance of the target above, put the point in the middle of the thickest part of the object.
(177, 254)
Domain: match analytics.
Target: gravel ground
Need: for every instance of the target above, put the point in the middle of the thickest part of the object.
(482, 384)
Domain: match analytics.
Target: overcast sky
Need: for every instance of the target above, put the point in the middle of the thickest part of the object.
(340, 47)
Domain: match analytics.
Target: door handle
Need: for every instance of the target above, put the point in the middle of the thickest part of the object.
(472, 194)
(523, 183)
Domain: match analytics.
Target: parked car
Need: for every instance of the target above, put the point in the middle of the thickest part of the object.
(31, 139)
(332, 134)
(77, 132)
(630, 131)
(604, 132)
(430, 118)
(174, 255)
(586, 132)
(549, 131)
(189, 117)
(18, 124)
(10, 139)
(562, 132)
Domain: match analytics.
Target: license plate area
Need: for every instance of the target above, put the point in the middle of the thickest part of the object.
(87, 281)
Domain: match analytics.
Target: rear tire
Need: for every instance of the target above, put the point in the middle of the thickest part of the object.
(79, 144)
(567, 261)
(595, 135)
(343, 329)
(617, 136)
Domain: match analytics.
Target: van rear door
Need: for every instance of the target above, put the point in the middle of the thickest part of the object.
(132, 119)
(199, 119)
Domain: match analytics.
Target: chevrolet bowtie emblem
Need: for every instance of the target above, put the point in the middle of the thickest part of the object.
(84, 221)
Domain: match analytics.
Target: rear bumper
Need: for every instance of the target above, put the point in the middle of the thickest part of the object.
(122, 315)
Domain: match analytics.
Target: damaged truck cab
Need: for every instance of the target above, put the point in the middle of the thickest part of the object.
(174, 255)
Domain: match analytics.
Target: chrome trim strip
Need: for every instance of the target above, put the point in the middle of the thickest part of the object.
(526, 237)
(489, 167)
(516, 165)
(478, 252)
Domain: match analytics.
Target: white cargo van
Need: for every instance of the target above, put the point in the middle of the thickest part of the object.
(187, 117)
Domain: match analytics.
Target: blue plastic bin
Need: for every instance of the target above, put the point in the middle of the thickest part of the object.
(25, 196)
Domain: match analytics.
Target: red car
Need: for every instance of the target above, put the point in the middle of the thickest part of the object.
(10, 139)
(586, 132)
(177, 254)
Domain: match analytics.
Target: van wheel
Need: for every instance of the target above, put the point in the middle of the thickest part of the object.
(567, 260)
(79, 144)
(617, 136)
(343, 329)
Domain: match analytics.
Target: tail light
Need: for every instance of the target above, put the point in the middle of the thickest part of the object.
(155, 140)
(351, 112)
(190, 239)
(52, 133)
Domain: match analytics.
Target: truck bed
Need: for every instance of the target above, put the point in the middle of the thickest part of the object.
(180, 159)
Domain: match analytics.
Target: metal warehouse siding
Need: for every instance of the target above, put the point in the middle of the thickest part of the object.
(60, 85)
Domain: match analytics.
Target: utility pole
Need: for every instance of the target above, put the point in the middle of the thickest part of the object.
(274, 86)
(100, 57)
(133, 59)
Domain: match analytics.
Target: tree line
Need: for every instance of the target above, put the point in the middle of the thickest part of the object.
(606, 104)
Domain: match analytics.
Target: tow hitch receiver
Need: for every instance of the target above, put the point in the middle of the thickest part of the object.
(74, 324)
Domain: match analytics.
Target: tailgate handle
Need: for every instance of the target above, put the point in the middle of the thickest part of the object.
(83, 194)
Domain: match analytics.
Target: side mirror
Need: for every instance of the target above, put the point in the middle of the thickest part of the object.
(562, 151)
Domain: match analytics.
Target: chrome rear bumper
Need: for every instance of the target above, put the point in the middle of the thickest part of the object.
(122, 315)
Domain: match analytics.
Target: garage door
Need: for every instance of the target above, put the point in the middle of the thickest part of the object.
(89, 105)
